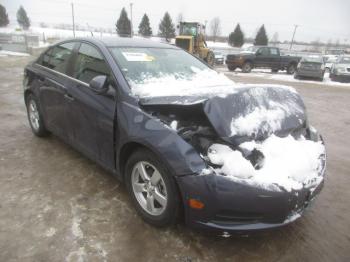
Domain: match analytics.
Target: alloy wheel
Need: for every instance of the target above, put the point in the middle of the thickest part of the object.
(149, 188)
(34, 115)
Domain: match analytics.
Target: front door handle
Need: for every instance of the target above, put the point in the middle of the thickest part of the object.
(69, 97)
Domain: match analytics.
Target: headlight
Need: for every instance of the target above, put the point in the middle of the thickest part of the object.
(314, 135)
(299, 65)
(322, 67)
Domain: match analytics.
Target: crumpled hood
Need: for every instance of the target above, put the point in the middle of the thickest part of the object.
(251, 112)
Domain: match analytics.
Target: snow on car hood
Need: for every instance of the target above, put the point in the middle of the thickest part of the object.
(256, 112)
(248, 117)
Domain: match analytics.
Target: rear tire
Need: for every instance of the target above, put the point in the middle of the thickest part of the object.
(35, 117)
(291, 69)
(231, 68)
(157, 202)
(247, 67)
(210, 59)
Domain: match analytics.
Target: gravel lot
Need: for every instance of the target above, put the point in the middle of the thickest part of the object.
(56, 205)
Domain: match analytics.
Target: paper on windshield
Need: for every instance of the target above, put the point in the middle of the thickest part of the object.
(138, 57)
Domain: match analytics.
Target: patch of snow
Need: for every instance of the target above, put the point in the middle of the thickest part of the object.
(283, 76)
(201, 82)
(10, 53)
(292, 218)
(264, 118)
(77, 256)
(50, 232)
(289, 163)
(173, 125)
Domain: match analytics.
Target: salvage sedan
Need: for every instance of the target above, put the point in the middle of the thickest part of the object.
(311, 67)
(182, 137)
(341, 69)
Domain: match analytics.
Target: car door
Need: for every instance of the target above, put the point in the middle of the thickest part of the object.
(90, 114)
(275, 58)
(52, 84)
(262, 57)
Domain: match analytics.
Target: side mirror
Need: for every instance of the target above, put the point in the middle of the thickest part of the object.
(99, 84)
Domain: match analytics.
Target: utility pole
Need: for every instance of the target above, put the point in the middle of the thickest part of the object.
(73, 19)
(291, 43)
(131, 33)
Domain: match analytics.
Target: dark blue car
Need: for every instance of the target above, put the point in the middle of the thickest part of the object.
(184, 139)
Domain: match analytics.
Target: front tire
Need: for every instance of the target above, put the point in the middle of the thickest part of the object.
(291, 69)
(247, 67)
(35, 117)
(210, 59)
(152, 188)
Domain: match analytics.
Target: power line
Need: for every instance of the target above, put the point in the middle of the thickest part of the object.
(291, 43)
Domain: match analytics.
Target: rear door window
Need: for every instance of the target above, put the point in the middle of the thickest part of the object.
(89, 63)
(274, 51)
(59, 57)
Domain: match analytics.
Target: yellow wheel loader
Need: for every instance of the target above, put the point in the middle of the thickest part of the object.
(191, 39)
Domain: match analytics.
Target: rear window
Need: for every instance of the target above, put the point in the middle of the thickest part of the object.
(312, 59)
(344, 60)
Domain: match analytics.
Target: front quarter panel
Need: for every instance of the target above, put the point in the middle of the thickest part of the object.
(135, 125)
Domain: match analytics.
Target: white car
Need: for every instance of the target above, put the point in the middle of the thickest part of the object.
(329, 61)
(219, 58)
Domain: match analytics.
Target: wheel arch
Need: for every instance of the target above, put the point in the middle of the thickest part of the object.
(27, 92)
(128, 149)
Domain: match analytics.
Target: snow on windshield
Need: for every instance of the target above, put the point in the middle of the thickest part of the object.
(289, 163)
(200, 82)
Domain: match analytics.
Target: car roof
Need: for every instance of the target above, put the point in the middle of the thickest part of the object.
(124, 42)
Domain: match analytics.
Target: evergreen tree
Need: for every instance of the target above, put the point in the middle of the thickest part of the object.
(166, 27)
(236, 38)
(22, 18)
(261, 37)
(123, 24)
(144, 27)
(4, 19)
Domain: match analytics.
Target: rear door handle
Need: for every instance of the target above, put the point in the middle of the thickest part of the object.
(69, 97)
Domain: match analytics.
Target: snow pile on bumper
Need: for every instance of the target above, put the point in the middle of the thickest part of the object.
(288, 164)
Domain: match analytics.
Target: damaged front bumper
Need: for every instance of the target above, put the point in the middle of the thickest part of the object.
(231, 207)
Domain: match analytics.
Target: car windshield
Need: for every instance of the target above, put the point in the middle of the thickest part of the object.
(312, 59)
(344, 60)
(252, 49)
(167, 71)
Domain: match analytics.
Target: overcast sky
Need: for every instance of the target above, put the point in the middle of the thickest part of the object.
(323, 19)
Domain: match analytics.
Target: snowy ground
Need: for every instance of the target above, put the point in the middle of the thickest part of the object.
(282, 76)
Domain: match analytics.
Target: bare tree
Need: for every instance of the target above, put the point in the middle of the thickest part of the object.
(215, 28)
